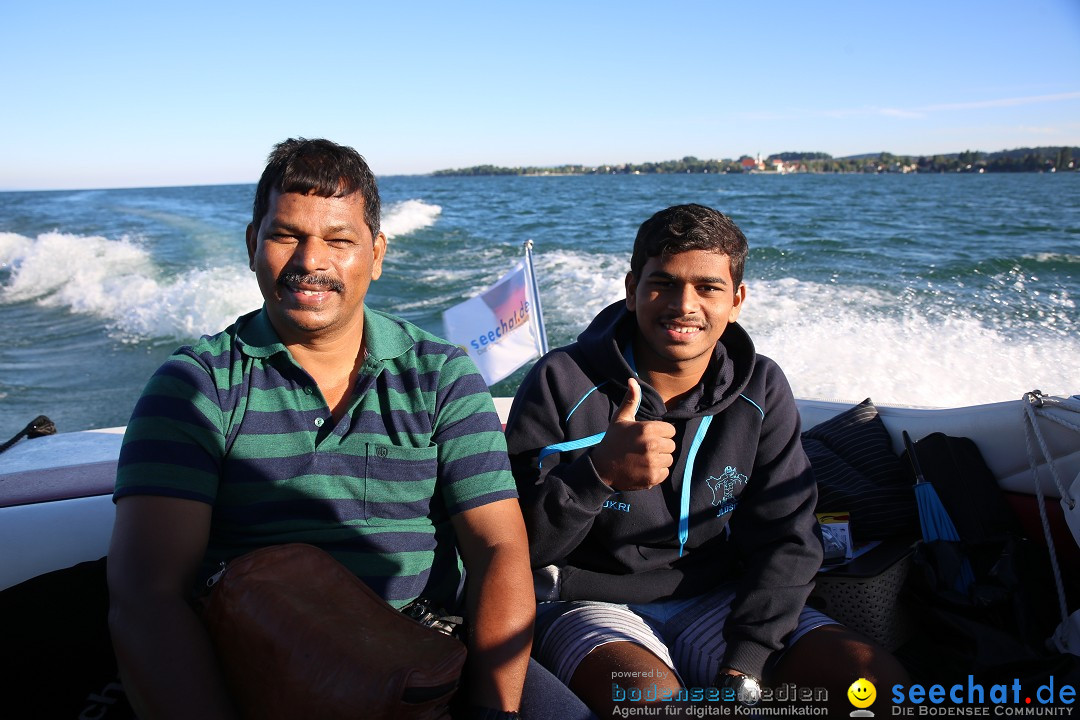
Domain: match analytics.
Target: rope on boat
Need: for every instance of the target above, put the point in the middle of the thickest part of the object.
(1037, 405)
(37, 427)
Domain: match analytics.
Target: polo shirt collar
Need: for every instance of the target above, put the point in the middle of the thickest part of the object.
(257, 337)
(385, 338)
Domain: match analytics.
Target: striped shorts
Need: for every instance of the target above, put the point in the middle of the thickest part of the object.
(687, 634)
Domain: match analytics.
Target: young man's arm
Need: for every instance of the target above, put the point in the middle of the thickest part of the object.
(500, 604)
(775, 529)
(166, 660)
(560, 498)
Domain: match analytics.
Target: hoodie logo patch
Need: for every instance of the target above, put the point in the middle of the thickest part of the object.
(615, 504)
(723, 490)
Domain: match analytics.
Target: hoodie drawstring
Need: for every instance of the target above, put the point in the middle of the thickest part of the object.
(688, 470)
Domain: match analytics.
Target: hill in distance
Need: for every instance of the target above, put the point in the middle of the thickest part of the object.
(1040, 159)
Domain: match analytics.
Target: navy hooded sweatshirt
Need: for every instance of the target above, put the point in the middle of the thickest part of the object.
(752, 495)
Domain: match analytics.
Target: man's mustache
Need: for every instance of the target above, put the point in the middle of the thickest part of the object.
(296, 279)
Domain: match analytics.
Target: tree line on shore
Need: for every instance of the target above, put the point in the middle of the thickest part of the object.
(1040, 159)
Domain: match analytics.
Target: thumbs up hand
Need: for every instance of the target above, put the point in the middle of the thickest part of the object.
(634, 455)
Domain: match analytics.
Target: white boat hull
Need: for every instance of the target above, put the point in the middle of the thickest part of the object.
(56, 506)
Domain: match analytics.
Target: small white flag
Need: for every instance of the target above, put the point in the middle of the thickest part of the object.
(500, 328)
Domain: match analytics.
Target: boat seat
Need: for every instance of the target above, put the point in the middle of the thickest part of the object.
(55, 502)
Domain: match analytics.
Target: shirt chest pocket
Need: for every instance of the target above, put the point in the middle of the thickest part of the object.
(399, 483)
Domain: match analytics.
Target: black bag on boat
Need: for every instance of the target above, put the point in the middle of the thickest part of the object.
(999, 623)
(966, 486)
(995, 632)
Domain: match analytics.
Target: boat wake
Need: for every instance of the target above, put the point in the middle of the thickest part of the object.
(408, 216)
(922, 346)
(846, 342)
(118, 282)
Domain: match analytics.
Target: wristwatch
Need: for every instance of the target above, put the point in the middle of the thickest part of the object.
(547, 582)
(747, 688)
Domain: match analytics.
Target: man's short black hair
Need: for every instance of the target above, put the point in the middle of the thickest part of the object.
(690, 227)
(317, 167)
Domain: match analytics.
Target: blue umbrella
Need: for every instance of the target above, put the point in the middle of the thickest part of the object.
(934, 519)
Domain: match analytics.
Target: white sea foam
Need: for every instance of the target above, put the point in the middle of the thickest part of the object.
(1049, 257)
(408, 216)
(118, 282)
(450, 282)
(445, 276)
(833, 341)
(848, 343)
(838, 343)
(12, 246)
(574, 286)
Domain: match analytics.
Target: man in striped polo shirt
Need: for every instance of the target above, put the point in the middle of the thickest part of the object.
(316, 420)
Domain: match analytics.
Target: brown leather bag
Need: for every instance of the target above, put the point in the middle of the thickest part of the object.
(298, 635)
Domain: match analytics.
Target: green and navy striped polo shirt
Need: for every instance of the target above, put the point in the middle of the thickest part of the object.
(235, 422)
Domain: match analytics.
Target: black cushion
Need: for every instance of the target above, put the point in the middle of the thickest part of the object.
(857, 472)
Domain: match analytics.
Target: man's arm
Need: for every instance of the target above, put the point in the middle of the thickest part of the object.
(561, 500)
(500, 604)
(634, 454)
(166, 660)
(775, 530)
(478, 490)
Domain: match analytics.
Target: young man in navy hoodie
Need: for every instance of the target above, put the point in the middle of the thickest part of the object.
(668, 500)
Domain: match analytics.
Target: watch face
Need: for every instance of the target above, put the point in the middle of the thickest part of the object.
(750, 692)
(747, 690)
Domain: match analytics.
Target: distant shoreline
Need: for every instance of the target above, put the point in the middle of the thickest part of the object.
(1041, 159)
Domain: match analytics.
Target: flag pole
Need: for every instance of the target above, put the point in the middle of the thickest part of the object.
(539, 314)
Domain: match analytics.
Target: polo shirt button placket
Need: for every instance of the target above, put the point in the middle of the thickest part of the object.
(319, 422)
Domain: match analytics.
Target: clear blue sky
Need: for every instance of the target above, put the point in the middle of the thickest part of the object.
(116, 94)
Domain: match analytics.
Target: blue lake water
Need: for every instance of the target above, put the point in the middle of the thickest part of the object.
(935, 290)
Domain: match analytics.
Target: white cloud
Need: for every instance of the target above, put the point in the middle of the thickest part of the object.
(914, 113)
(1003, 102)
(896, 112)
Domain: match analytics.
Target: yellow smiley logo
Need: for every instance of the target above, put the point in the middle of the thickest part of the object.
(862, 693)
